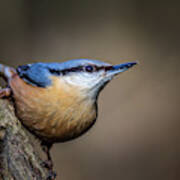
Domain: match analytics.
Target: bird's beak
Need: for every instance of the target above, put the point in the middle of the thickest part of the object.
(116, 69)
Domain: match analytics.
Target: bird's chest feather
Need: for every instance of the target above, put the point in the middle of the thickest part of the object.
(57, 112)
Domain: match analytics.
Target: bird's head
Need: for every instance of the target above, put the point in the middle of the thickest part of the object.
(90, 76)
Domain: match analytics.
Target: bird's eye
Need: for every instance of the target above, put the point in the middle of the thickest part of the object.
(89, 68)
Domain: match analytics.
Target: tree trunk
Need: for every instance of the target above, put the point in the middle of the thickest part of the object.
(21, 155)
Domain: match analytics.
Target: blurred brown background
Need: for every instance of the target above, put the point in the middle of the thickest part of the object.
(137, 134)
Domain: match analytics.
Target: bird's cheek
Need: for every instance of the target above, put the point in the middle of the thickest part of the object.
(104, 74)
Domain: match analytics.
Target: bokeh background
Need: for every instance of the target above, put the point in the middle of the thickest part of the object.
(137, 134)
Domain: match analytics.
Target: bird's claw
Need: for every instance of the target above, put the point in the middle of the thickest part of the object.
(52, 175)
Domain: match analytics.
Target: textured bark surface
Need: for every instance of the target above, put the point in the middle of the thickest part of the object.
(20, 157)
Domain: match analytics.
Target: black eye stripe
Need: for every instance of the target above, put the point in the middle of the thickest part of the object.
(23, 68)
(108, 68)
(65, 71)
(55, 72)
(88, 68)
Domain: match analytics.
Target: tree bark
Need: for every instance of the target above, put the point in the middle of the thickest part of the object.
(21, 155)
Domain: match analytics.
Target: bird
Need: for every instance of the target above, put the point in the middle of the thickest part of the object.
(57, 101)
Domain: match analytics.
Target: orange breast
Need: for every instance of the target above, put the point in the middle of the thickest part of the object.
(56, 113)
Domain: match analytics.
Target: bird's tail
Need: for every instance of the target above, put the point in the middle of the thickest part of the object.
(6, 71)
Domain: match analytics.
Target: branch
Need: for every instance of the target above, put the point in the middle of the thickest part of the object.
(20, 157)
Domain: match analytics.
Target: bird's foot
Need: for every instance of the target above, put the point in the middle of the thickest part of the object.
(51, 174)
(6, 92)
(48, 163)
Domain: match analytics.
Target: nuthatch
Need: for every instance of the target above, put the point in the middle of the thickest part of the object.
(58, 101)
